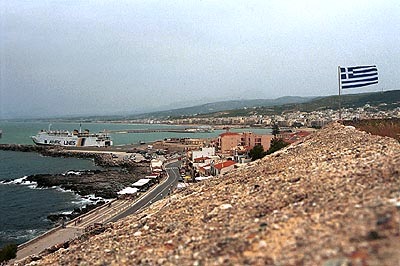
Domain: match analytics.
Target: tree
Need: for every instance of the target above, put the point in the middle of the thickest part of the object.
(275, 129)
(8, 252)
(257, 152)
(276, 144)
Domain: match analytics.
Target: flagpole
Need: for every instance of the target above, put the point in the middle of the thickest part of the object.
(340, 88)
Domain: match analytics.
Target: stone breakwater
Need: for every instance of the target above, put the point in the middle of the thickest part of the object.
(332, 199)
(101, 159)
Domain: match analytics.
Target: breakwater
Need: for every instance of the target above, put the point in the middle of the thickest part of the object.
(101, 159)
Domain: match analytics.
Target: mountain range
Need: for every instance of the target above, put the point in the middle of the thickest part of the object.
(386, 100)
(279, 105)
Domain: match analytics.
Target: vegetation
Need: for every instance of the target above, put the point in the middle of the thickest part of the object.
(8, 252)
(221, 106)
(387, 100)
(276, 144)
(257, 152)
(275, 129)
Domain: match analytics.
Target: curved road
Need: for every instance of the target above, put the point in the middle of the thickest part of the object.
(159, 192)
(120, 209)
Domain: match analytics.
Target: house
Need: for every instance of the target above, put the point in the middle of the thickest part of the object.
(203, 152)
(205, 170)
(156, 165)
(222, 167)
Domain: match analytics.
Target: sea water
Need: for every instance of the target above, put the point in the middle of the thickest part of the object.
(20, 132)
(24, 208)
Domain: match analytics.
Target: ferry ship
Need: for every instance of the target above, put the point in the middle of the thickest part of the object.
(72, 139)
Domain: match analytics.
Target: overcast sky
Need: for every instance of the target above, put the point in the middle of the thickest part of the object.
(72, 57)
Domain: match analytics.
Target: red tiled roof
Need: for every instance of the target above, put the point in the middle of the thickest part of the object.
(296, 136)
(225, 164)
(201, 159)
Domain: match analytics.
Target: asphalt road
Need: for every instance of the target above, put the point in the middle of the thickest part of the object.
(161, 191)
(118, 210)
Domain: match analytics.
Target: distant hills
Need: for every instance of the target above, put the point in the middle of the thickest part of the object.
(386, 100)
(279, 105)
(224, 105)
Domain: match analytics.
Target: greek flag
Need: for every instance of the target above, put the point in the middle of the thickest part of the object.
(358, 76)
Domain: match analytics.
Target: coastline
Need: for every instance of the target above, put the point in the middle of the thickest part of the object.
(85, 184)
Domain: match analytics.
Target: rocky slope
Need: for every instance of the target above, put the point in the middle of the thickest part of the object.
(333, 199)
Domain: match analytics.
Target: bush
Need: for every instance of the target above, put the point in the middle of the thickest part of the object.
(257, 152)
(8, 252)
(276, 144)
(275, 129)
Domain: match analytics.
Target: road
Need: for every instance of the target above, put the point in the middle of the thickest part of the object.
(104, 214)
(159, 192)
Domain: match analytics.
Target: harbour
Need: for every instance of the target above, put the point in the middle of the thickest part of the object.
(17, 137)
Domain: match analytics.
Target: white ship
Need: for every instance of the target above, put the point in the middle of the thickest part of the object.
(72, 139)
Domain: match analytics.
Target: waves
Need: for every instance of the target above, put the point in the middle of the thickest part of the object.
(79, 199)
(25, 206)
(21, 181)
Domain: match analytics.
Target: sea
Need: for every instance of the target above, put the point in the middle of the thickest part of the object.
(24, 207)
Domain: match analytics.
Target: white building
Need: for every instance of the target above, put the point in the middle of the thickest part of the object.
(203, 152)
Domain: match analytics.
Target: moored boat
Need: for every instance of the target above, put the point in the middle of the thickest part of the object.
(72, 139)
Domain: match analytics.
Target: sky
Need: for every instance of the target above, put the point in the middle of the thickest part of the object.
(70, 57)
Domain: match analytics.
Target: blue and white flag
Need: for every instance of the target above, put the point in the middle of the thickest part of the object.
(358, 76)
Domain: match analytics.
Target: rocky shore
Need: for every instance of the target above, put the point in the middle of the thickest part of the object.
(332, 199)
(104, 184)
(101, 183)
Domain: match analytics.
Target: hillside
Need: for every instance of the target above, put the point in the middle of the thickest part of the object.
(331, 200)
(387, 100)
(223, 105)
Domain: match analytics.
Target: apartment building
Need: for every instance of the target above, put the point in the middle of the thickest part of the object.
(228, 142)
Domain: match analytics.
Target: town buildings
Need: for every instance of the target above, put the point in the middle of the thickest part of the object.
(316, 119)
(229, 142)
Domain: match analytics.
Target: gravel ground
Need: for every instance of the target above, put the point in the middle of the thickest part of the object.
(332, 199)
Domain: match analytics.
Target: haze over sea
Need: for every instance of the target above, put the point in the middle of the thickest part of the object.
(23, 208)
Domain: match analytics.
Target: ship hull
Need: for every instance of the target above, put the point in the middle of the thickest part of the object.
(65, 139)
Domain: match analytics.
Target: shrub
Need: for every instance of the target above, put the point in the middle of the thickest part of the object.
(257, 152)
(276, 144)
(8, 252)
